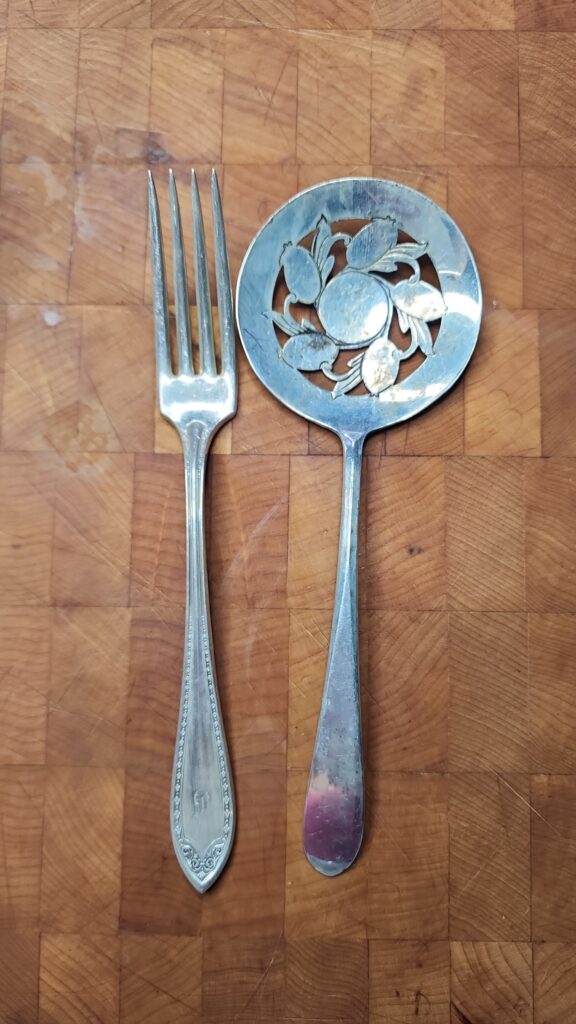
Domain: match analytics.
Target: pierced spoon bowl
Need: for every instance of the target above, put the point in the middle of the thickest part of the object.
(364, 337)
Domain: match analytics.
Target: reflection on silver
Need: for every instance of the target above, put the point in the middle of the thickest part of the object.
(354, 308)
(459, 303)
(430, 391)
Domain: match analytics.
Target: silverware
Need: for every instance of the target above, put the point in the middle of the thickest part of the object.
(336, 323)
(202, 798)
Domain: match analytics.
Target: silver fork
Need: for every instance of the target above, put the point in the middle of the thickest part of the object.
(202, 797)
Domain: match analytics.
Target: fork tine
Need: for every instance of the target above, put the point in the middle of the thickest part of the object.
(206, 334)
(160, 300)
(183, 336)
(225, 308)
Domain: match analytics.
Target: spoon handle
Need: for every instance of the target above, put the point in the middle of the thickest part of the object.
(334, 808)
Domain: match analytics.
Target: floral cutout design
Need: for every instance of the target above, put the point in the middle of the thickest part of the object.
(355, 306)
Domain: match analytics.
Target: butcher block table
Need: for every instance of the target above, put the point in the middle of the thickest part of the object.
(461, 908)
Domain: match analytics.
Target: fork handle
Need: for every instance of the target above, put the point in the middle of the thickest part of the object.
(202, 798)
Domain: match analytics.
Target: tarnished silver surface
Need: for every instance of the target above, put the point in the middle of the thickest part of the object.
(202, 798)
(353, 307)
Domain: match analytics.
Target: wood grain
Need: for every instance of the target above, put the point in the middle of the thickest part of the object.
(552, 727)
(408, 98)
(485, 523)
(405, 518)
(554, 964)
(22, 791)
(489, 856)
(333, 96)
(260, 100)
(550, 499)
(81, 847)
(41, 378)
(187, 80)
(549, 218)
(257, 969)
(340, 965)
(494, 396)
(25, 669)
(553, 861)
(491, 980)
(78, 978)
(407, 690)
(160, 978)
(19, 966)
(461, 907)
(408, 980)
(109, 63)
(40, 100)
(489, 692)
(556, 379)
(547, 63)
(481, 123)
(487, 204)
(408, 869)
(88, 686)
(36, 231)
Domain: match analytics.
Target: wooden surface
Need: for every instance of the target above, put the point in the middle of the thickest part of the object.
(462, 906)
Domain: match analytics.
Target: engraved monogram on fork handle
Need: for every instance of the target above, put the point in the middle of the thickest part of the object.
(202, 799)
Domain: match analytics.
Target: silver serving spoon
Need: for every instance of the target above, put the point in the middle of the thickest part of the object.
(329, 311)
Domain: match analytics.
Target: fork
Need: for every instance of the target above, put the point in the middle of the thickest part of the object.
(202, 797)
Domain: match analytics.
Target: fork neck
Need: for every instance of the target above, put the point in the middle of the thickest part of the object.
(196, 437)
